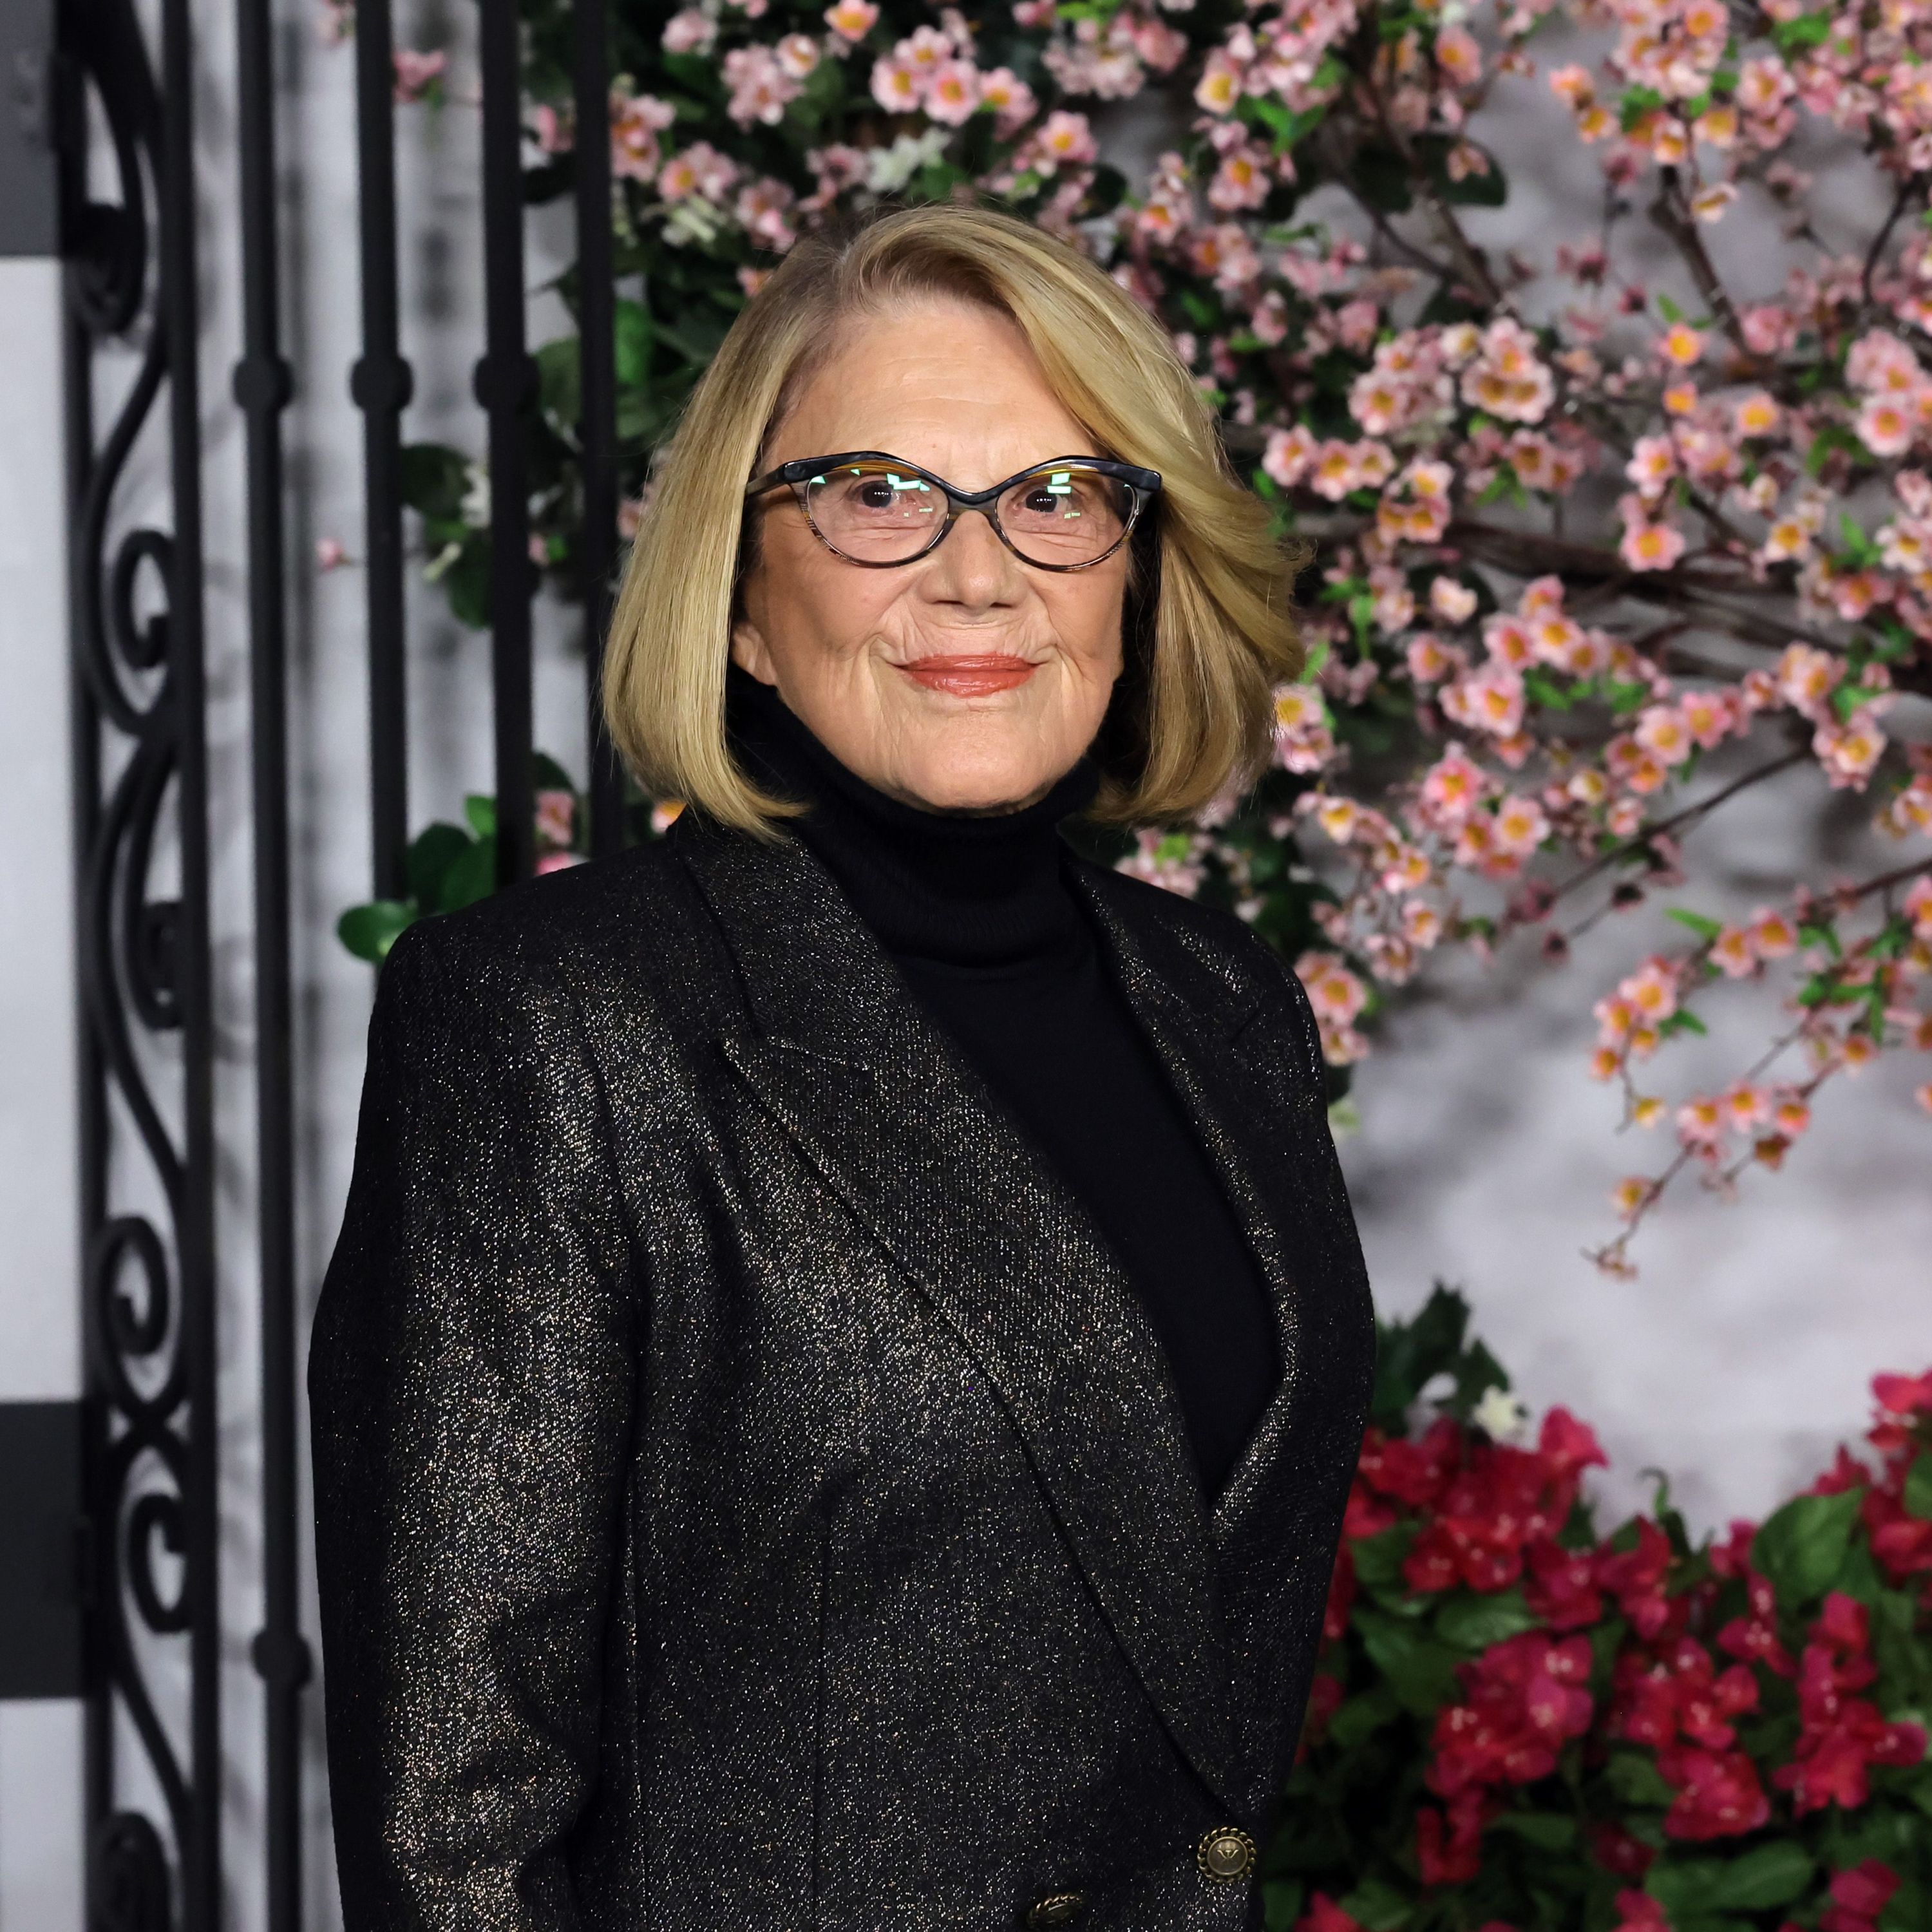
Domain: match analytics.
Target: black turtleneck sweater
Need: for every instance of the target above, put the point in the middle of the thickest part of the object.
(977, 914)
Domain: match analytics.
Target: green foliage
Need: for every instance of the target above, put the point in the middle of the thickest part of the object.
(450, 866)
(1513, 1724)
(1411, 1355)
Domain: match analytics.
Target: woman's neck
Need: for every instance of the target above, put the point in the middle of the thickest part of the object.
(969, 891)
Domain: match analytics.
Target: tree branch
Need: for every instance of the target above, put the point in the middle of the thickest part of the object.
(1673, 214)
(1678, 822)
(1907, 189)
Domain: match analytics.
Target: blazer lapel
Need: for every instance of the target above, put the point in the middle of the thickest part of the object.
(1267, 1549)
(903, 1128)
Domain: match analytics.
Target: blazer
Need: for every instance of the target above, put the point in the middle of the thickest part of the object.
(749, 1495)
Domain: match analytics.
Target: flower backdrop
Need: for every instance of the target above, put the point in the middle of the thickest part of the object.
(1594, 559)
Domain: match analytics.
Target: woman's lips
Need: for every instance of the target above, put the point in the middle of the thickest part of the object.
(970, 675)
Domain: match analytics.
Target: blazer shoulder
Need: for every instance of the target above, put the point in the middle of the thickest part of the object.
(1221, 940)
(620, 908)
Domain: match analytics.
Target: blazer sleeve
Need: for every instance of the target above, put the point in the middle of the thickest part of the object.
(470, 1381)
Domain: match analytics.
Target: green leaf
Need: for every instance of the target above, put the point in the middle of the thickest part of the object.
(631, 331)
(1682, 1020)
(431, 853)
(1409, 1354)
(559, 388)
(370, 930)
(1918, 1486)
(1634, 1777)
(473, 877)
(480, 808)
(1381, 179)
(1377, 1906)
(1421, 1671)
(434, 480)
(1808, 30)
(465, 583)
(1549, 1830)
(1800, 1547)
(1473, 1623)
(1761, 1880)
(1477, 1373)
(1359, 1718)
(1281, 1902)
(1378, 1560)
(1704, 928)
(1636, 103)
(1758, 1881)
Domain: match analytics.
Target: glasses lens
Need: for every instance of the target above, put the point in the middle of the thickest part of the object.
(873, 512)
(1064, 515)
(1061, 514)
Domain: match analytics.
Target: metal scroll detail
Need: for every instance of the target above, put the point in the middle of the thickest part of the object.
(142, 939)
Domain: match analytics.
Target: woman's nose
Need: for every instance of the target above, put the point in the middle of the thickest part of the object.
(971, 562)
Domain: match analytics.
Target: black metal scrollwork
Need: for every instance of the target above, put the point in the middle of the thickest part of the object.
(144, 981)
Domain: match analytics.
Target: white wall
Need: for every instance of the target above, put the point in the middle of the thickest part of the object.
(39, 1321)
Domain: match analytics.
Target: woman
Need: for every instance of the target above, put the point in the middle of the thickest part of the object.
(835, 1398)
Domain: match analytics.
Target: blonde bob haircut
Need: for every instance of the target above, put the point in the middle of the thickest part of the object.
(1208, 628)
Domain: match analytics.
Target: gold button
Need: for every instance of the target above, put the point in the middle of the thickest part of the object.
(1057, 1908)
(1225, 1853)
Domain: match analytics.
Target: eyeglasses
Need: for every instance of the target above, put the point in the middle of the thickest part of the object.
(878, 511)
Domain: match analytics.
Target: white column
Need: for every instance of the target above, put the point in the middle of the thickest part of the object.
(41, 1826)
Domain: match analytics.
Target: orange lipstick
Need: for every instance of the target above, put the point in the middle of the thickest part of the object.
(969, 674)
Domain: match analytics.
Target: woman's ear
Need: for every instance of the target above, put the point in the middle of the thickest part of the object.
(749, 652)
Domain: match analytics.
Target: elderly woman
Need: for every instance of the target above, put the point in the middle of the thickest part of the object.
(835, 1398)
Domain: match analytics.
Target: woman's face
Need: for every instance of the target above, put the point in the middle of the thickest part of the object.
(966, 680)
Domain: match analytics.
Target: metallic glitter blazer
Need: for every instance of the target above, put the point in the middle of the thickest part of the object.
(750, 1497)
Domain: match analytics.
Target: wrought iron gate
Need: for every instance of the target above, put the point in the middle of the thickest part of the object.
(126, 91)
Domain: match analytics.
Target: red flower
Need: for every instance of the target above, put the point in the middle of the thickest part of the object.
(1902, 1543)
(1365, 1515)
(1842, 1736)
(1570, 1446)
(1857, 1896)
(1449, 1842)
(1619, 1851)
(1730, 1554)
(1324, 1915)
(1756, 1643)
(1523, 1699)
(1829, 1764)
(1413, 1473)
(1341, 1596)
(1641, 1913)
(1718, 1794)
(1908, 1396)
(1562, 1588)
(1846, 1472)
(1635, 1577)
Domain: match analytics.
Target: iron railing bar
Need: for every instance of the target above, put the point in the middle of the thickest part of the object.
(380, 386)
(177, 315)
(597, 428)
(263, 385)
(506, 380)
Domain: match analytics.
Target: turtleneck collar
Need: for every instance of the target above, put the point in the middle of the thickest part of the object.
(982, 893)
